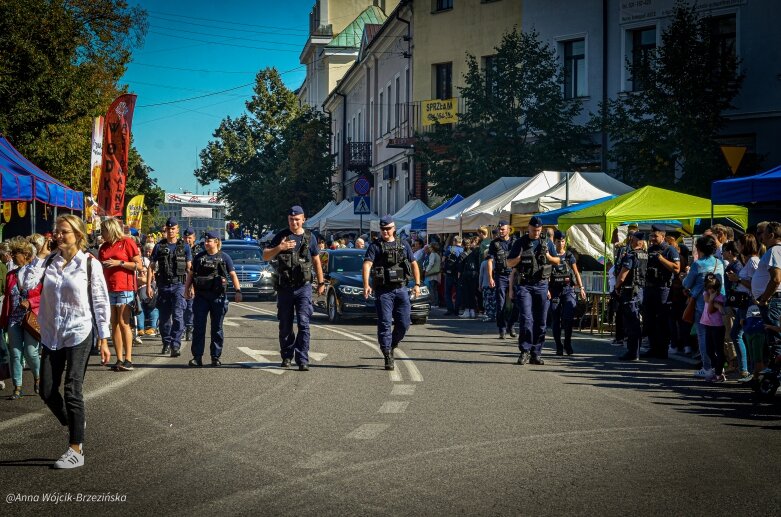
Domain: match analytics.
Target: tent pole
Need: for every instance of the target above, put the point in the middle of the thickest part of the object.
(32, 218)
(604, 281)
(711, 212)
(566, 189)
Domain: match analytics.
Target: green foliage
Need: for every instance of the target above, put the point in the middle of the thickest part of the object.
(667, 133)
(60, 61)
(140, 181)
(518, 125)
(270, 158)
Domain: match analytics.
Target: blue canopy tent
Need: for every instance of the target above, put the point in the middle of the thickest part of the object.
(762, 187)
(419, 223)
(552, 217)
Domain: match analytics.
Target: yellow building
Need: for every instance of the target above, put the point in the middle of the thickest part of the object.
(445, 31)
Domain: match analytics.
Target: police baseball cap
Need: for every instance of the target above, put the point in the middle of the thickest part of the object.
(640, 236)
(558, 234)
(503, 222)
(171, 222)
(295, 210)
(189, 231)
(386, 221)
(211, 235)
(535, 221)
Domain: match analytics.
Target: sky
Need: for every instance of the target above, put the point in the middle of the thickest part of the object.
(196, 48)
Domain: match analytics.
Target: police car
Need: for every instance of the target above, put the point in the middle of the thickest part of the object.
(256, 276)
(343, 296)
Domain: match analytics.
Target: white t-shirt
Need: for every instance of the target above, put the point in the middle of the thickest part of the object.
(747, 273)
(771, 259)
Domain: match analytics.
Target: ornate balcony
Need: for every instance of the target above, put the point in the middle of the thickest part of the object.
(358, 156)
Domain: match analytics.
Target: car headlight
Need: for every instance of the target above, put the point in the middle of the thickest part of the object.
(351, 291)
(265, 274)
(424, 290)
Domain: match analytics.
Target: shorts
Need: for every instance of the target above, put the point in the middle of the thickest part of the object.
(121, 297)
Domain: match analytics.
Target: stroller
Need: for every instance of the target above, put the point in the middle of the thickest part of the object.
(767, 382)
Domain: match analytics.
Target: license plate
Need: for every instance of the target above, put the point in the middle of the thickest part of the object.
(245, 284)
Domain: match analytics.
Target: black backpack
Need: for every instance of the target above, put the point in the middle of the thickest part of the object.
(451, 263)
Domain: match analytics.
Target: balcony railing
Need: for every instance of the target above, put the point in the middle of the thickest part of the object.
(410, 119)
(358, 156)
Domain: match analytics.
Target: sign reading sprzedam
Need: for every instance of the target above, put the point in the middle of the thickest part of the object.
(439, 110)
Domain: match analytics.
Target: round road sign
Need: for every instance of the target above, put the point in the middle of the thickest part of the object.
(362, 186)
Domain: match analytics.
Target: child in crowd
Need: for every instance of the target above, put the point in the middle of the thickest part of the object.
(489, 295)
(713, 321)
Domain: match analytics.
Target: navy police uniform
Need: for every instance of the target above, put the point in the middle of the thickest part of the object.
(188, 308)
(630, 297)
(531, 294)
(294, 294)
(170, 272)
(211, 275)
(563, 301)
(657, 303)
(498, 251)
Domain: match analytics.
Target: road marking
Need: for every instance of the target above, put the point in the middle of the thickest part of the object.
(368, 431)
(230, 323)
(320, 459)
(414, 373)
(402, 390)
(394, 406)
(263, 363)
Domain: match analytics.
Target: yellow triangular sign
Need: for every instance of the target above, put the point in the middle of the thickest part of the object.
(734, 155)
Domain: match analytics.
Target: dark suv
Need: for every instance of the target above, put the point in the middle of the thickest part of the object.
(256, 276)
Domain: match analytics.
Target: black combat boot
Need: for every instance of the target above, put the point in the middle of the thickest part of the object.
(389, 362)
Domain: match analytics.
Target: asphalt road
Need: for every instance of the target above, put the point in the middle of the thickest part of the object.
(458, 428)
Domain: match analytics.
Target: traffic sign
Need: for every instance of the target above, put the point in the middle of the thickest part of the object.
(362, 205)
(362, 186)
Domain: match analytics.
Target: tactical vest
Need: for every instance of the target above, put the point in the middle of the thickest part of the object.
(533, 266)
(471, 262)
(636, 277)
(500, 256)
(451, 264)
(294, 268)
(171, 267)
(211, 274)
(562, 274)
(656, 274)
(391, 269)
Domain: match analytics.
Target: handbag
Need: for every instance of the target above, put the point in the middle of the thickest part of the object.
(689, 311)
(31, 326)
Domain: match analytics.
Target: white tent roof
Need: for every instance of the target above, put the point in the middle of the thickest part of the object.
(343, 218)
(448, 220)
(584, 186)
(313, 223)
(414, 208)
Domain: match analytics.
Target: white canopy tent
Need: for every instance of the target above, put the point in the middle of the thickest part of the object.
(313, 222)
(414, 208)
(578, 188)
(343, 218)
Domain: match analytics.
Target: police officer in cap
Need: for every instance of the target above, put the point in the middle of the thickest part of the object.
(663, 263)
(388, 265)
(189, 238)
(629, 288)
(170, 261)
(296, 252)
(565, 286)
(499, 275)
(206, 286)
(532, 256)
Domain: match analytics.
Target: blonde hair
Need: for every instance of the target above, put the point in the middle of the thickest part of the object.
(483, 230)
(37, 240)
(79, 229)
(113, 229)
(22, 246)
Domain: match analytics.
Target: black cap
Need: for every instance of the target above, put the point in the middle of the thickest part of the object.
(640, 236)
(295, 210)
(657, 228)
(211, 235)
(171, 221)
(558, 234)
(503, 222)
(535, 221)
(386, 221)
(189, 231)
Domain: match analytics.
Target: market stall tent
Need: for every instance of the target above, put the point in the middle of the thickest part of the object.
(762, 187)
(577, 188)
(419, 223)
(404, 216)
(313, 223)
(343, 218)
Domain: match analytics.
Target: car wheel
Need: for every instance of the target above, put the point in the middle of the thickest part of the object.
(420, 321)
(333, 314)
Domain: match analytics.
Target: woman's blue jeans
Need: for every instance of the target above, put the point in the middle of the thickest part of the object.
(22, 345)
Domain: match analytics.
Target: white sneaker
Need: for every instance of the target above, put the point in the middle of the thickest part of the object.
(137, 341)
(472, 313)
(464, 314)
(687, 350)
(70, 460)
(672, 350)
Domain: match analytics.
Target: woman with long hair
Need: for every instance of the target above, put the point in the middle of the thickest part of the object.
(121, 261)
(74, 300)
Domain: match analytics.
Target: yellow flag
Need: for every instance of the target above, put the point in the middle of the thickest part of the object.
(133, 212)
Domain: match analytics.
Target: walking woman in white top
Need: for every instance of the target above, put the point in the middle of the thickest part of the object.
(69, 315)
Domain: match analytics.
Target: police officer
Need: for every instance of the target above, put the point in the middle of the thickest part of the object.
(629, 288)
(620, 249)
(189, 238)
(499, 276)
(207, 285)
(388, 265)
(663, 263)
(296, 253)
(170, 261)
(565, 286)
(532, 256)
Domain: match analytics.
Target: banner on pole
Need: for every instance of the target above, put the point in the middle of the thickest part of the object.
(7, 211)
(96, 156)
(196, 212)
(116, 144)
(134, 212)
(21, 208)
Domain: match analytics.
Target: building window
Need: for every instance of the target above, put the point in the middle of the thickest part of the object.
(380, 118)
(489, 69)
(575, 68)
(723, 30)
(643, 43)
(442, 5)
(443, 81)
(397, 111)
(388, 121)
(406, 95)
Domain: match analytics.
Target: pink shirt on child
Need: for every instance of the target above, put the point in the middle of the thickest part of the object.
(713, 319)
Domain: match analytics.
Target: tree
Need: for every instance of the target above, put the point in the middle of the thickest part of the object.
(140, 181)
(517, 121)
(274, 156)
(667, 133)
(60, 61)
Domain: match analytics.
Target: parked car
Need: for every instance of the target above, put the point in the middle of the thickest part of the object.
(256, 276)
(343, 296)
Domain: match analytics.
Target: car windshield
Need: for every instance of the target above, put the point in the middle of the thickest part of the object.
(346, 263)
(244, 254)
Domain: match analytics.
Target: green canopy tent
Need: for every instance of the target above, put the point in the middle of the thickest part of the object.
(651, 204)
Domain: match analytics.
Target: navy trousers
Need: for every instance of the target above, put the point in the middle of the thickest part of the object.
(188, 313)
(393, 316)
(630, 309)
(562, 310)
(215, 309)
(294, 302)
(532, 301)
(170, 304)
(656, 319)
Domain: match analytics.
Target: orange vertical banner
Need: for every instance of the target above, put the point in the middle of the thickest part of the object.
(116, 145)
